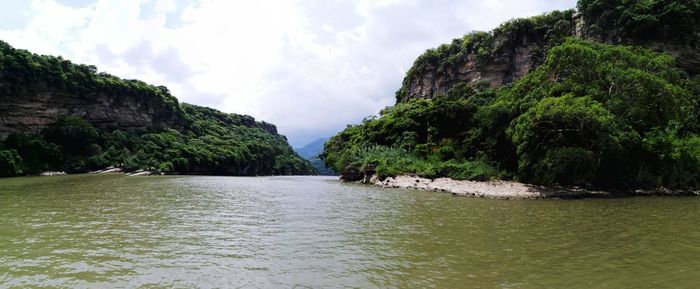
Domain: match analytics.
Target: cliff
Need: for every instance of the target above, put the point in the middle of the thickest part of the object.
(498, 57)
(59, 116)
(36, 91)
(516, 47)
(33, 112)
(604, 98)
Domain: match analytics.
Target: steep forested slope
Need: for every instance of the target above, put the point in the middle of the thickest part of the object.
(598, 108)
(56, 115)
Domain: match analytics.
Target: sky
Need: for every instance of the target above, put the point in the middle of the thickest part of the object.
(310, 67)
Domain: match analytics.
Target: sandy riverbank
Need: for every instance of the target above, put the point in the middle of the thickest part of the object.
(110, 170)
(507, 189)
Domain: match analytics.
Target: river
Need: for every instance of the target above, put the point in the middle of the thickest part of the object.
(103, 231)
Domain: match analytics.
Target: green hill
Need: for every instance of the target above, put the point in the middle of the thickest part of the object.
(570, 98)
(60, 116)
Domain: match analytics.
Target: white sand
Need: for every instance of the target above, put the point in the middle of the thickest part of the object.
(489, 189)
(141, 173)
(52, 173)
(109, 170)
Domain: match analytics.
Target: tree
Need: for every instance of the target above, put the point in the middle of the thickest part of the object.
(10, 163)
(563, 139)
(73, 134)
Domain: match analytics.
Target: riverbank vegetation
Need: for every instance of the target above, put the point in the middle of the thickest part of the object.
(189, 140)
(592, 115)
(214, 143)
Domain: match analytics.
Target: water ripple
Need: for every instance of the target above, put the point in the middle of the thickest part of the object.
(313, 232)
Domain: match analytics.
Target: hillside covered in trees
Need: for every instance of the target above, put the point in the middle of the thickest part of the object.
(607, 97)
(60, 116)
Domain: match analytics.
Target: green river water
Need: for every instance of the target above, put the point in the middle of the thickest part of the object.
(105, 231)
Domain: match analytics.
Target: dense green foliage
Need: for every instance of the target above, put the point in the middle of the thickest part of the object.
(223, 146)
(24, 73)
(545, 30)
(665, 20)
(430, 137)
(592, 115)
(202, 141)
(10, 163)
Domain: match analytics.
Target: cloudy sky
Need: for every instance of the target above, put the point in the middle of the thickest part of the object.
(310, 67)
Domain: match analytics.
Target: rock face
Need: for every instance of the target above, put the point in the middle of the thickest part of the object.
(513, 51)
(32, 113)
(37, 90)
(497, 58)
(506, 65)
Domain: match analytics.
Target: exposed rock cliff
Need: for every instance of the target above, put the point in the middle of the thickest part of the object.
(59, 116)
(37, 90)
(592, 111)
(32, 112)
(513, 49)
(498, 58)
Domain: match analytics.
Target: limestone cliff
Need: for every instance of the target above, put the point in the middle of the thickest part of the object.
(37, 90)
(498, 58)
(60, 116)
(513, 49)
(32, 112)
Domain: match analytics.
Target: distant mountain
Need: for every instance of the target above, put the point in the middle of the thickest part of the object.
(311, 151)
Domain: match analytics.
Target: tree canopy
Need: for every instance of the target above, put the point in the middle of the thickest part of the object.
(207, 142)
(643, 20)
(593, 115)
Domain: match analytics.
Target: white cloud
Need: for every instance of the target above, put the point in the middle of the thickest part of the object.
(308, 66)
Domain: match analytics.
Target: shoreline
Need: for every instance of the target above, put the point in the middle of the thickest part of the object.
(140, 173)
(509, 190)
(107, 170)
(494, 189)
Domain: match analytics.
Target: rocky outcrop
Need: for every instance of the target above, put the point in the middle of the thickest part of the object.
(354, 173)
(497, 58)
(84, 108)
(512, 51)
(38, 90)
(505, 66)
(31, 113)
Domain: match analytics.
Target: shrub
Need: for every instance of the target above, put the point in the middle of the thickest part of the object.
(10, 163)
(594, 115)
